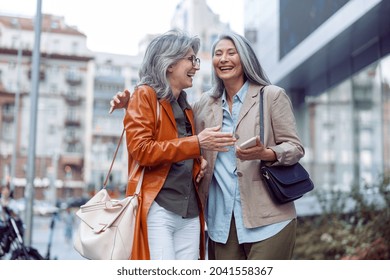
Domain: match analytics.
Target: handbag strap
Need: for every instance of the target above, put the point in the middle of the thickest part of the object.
(112, 162)
(137, 165)
(261, 115)
(261, 108)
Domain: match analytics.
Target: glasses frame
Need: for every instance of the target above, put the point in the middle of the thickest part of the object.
(195, 60)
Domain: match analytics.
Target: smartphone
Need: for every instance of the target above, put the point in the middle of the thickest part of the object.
(248, 143)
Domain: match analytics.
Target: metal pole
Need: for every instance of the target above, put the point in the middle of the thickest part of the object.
(16, 115)
(29, 193)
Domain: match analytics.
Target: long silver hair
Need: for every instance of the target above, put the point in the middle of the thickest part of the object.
(253, 72)
(162, 52)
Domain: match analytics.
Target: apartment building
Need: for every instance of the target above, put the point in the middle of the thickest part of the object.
(112, 73)
(65, 83)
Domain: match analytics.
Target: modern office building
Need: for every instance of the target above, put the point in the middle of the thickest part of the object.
(332, 57)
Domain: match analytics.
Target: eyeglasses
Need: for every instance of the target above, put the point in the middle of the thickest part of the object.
(195, 60)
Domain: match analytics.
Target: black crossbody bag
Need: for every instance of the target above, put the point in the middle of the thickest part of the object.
(285, 182)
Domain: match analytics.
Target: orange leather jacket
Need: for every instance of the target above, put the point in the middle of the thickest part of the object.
(155, 146)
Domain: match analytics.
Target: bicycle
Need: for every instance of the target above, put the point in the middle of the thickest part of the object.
(11, 239)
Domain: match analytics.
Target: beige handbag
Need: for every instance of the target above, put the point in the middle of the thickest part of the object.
(106, 227)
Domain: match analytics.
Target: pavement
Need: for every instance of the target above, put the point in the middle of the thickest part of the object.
(60, 248)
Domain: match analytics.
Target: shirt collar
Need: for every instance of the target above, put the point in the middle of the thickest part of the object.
(182, 100)
(240, 94)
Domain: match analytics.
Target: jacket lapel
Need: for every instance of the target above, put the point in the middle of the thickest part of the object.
(168, 109)
(217, 111)
(251, 100)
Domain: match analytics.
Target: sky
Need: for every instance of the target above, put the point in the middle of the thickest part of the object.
(116, 26)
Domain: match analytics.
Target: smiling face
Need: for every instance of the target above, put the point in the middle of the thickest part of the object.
(181, 73)
(226, 62)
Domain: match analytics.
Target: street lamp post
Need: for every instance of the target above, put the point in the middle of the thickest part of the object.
(29, 192)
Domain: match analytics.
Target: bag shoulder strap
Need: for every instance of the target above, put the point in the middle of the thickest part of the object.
(262, 114)
(261, 119)
(116, 152)
(112, 162)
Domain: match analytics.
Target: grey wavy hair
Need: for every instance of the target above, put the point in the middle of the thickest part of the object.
(162, 52)
(253, 72)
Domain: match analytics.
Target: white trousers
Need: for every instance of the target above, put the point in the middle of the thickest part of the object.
(170, 236)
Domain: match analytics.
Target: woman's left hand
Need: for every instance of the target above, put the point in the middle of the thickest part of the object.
(256, 152)
(203, 165)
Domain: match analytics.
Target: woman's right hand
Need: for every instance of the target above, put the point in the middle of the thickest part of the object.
(212, 138)
(119, 100)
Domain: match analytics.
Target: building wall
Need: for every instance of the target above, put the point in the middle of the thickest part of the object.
(337, 79)
(268, 33)
(187, 17)
(112, 73)
(60, 135)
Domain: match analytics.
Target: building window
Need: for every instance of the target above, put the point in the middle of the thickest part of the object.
(348, 130)
(251, 35)
(71, 148)
(54, 25)
(296, 23)
(11, 64)
(7, 131)
(53, 88)
(8, 109)
(14, 41)
(75, 47)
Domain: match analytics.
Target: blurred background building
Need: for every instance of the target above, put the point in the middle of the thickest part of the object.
(330, 56)
(76, 137)
(65, 74)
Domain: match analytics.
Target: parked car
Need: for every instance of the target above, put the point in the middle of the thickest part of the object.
(76, 201)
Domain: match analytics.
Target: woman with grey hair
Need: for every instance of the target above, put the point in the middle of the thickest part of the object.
(242, 219)
(160, 134)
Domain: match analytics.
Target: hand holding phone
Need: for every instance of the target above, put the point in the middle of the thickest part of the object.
(248, 143)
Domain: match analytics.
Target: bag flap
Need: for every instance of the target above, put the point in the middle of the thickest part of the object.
(287, 174)
(291, 192)
(101, 211)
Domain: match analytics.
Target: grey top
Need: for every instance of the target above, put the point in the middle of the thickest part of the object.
(178, 192)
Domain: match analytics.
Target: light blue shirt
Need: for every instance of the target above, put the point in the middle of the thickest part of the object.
(224, 193)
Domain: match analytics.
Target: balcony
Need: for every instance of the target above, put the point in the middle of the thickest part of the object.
(72, 98)
(72, 139)
(7, 116)
(73, 79)
(72, 121)
(41, 75)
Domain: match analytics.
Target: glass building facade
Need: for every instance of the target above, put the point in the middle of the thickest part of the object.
(333, 60)
(346, 129)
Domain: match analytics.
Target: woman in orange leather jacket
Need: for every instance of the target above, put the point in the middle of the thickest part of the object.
(160, 134)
